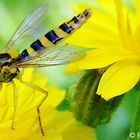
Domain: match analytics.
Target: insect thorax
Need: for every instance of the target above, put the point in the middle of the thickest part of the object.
(7, 70)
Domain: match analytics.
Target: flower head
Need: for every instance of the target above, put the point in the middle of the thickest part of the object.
(56, 124)
(113, 31)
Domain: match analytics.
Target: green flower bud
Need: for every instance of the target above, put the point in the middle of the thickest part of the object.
(86, 105)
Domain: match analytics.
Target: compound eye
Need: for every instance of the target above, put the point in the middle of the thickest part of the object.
(4, 57)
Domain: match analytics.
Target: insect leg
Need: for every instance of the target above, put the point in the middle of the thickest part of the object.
(41, 102)
(15, 92)
(38, 111)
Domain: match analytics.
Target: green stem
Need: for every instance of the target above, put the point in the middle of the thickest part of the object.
(135, 128)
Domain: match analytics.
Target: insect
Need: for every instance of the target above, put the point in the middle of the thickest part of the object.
(43, 52)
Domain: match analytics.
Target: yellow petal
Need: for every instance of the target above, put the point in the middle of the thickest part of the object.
(53, 136)
(55, 96)
(137, 8)
(50, 136)
(118, 79)
(60, 120)
(73, 132)
(107, 5)
(95, 33)
(99, 58)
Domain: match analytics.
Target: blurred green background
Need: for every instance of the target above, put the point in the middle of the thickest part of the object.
(12, 12)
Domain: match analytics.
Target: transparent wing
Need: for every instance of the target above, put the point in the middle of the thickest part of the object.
(28, 27)
(54, 56)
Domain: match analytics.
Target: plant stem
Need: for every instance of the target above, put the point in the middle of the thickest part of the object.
(134, 133)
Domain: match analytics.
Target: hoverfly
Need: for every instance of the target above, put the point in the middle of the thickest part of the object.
(41, 53)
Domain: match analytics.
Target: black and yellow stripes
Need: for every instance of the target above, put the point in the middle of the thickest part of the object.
(23, 56)
(37, 45)
(53, 37)
(66, 28)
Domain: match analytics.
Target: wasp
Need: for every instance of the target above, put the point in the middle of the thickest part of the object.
(43, 52)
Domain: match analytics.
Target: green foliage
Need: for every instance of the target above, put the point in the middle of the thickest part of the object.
(87, 106)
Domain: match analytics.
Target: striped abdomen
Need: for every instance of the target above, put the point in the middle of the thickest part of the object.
(55, 36)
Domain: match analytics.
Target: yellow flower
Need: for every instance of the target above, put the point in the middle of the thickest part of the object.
(57, 125)
(114, 33)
